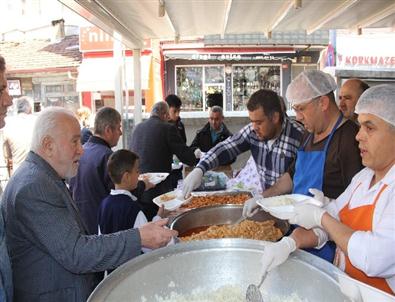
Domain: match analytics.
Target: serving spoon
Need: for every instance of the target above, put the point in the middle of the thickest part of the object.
(253, 293)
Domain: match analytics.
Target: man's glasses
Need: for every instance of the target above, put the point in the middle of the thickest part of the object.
(301, 108)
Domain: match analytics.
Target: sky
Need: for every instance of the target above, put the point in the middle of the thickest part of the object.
(29, 14)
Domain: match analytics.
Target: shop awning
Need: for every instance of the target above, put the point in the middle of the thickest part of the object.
(98, 74)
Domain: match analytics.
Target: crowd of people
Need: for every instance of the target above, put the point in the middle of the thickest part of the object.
(72, 211)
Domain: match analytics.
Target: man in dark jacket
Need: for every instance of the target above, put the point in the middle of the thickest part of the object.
(155, 141)
(175, 103)
(214, 132)
(92, 183)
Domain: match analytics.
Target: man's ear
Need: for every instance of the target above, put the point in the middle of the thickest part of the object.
(324, 102)
(276, 117)
(48, 145)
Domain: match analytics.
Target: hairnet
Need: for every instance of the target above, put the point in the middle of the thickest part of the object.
(308, 85)
(380, 101)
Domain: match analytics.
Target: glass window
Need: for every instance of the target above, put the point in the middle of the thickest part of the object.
(248, 79)
(53, 88)
(214, 74)
(189, 87)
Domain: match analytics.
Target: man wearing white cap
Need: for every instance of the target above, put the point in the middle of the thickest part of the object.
(361, 220)
(329, 155)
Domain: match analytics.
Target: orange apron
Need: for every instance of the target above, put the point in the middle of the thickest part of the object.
(361, 219)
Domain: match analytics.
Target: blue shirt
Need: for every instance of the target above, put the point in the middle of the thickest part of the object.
(272, 161)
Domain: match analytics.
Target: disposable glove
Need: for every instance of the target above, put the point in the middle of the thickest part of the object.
(251, 207)
(319, 195)
(198, 153)
(308, 216)
(277, 253)
(191, 182)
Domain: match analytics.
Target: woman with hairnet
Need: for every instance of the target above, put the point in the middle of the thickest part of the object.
(361, 221)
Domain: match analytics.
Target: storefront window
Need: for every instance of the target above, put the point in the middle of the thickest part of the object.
(248, 79)
(196, 83)
(189, 81)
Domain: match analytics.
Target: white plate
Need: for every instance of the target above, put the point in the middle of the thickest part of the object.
(154, 178)
(283, 206)
(171, 200)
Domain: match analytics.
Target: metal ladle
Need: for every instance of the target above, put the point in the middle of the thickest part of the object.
(253, 293)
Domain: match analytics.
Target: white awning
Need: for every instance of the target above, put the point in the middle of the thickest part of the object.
(98, 74)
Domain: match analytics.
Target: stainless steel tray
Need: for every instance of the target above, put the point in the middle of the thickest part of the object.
(208, 265)
(218, 215)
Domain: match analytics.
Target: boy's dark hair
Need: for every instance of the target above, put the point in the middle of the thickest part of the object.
(266, 99)
(173, 101)
(120, 161)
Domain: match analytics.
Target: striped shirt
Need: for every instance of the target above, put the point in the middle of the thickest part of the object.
(272, 160)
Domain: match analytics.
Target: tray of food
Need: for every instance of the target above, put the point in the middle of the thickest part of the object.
(204, 199)
(154, 178)
(215, 222)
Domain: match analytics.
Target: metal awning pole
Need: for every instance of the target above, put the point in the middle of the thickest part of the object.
(118, 95)
(137, 87)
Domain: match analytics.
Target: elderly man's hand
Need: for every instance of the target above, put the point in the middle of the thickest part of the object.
(191, 182)
(276, 253)
(308, 216)
(154, 234)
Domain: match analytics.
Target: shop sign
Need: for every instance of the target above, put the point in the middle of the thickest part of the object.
(94, 39)
(229, 57)
(383, 61)
(14, 87)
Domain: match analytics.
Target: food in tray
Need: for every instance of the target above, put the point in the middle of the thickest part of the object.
(167, 197)
(281, 201)
(209, 200)
(247, 229)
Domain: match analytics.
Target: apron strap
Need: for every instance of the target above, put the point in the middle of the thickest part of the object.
(340, 118)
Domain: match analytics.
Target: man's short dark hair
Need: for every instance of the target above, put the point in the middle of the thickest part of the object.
(173, 101)
(106, 116)
(266, 99)
(119, 162)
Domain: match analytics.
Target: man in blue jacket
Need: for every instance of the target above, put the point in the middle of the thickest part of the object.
(92, 182)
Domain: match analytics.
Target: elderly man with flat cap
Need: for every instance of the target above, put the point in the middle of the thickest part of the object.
(328, 157)
(361, 220)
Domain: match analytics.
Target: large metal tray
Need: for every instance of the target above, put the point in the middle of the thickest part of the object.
(219, 215)
(208, 265)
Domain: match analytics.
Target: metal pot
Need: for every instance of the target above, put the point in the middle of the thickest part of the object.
(210, 264)
(218, 215)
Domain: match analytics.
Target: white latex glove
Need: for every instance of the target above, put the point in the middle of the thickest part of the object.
(251, 207)
(191, 182)
(319, 195)
(198, 153)
(277, 253)
(307, 216)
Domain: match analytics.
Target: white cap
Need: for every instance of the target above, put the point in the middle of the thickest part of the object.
(380, 101)
(308, 85)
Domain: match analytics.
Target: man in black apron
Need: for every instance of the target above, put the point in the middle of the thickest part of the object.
(328, 157)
